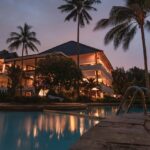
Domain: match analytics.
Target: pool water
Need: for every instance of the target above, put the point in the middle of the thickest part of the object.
(106, 111)
(48, 131)
(40, 131)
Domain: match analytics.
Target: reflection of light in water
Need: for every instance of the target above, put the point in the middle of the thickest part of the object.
(36, 145)
(46, 127)
(55, 124)
(19, 142)
(96, 113)
(114, 110)
(35, 133)
(51, 136)
(2, 131)
(40, 122)
(82, 128)
(102, 112)
(51, 123)
(99, 113)
(73, 123)
(28, 126)
(58, 127)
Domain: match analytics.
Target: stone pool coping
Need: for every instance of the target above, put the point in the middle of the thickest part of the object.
(127, 132)
(52, 106)
(31, 107)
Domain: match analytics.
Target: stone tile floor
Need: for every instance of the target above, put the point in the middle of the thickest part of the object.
(127, 132)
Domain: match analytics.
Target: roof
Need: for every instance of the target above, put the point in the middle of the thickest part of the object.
(4, 54)
(70, 48)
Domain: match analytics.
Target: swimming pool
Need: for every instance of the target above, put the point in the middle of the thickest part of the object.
(47, 131)
(41, 131)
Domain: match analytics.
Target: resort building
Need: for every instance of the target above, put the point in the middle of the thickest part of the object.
(93, 63)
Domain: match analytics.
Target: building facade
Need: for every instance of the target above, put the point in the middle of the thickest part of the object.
(93, 63)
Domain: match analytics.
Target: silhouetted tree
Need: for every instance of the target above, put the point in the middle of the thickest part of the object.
(25, 38)
(59, 72)
(88, 85)
(78, 11)
(125, 21)
(120, 82)
(14, 74)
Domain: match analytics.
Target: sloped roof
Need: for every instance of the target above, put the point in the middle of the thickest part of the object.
(70, 48)
(4, 54)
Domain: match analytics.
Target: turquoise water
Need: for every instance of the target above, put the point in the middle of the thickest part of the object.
(47, 131)
(106, 111)
(40, 131)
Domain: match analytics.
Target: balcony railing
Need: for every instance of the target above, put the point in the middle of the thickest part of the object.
(96, 67)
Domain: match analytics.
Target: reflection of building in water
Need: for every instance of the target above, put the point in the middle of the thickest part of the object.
(56, 125)
(114, 110)
(32, 131)
(102, 111)
(82, 126)
(73, 124)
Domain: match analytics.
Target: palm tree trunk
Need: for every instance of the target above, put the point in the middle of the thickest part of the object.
(78, 40)
(145, 58)
(21, 88)
(78, 53)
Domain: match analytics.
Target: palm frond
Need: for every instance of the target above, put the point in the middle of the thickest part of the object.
(14, 34)
(119, 36)
(78, 7)
(129, 37)
(147, 25)
(14, 45)
(73, 15)
(112, 33)
(103, 23)
(120, 14)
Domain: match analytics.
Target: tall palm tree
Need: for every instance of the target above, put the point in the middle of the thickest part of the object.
(125, 20)
(25, 38)
(78, 11)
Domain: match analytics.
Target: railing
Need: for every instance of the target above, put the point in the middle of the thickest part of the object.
(143, 92)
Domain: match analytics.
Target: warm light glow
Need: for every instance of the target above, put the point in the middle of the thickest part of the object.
(82, 127)
(35, 132)
(19, 142)
(73, 123)
(43, 92)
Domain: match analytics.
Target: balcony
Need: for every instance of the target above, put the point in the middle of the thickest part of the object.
(97, 67)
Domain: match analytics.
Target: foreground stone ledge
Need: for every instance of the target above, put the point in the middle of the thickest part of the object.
(127, 132)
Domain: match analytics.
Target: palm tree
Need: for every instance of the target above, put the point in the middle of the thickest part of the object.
(125, 20)
(78, 11)
(25, 38)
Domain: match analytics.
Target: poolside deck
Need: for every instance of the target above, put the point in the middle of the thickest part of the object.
(128, 132)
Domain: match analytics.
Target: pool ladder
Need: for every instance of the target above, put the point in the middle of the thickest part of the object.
(142, 91)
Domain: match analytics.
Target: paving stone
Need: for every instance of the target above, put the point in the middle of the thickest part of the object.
(128, 132)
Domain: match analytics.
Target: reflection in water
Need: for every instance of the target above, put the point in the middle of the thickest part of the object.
(46, 131)
(102, 111)
(40, 131)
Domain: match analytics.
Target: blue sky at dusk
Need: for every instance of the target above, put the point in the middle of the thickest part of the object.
(51, 29)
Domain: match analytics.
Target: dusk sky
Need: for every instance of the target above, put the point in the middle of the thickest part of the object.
(51, 29)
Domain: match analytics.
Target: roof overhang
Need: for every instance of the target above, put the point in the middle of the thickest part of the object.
(33, 57)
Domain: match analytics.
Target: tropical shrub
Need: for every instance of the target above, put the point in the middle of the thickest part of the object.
(58, 73)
